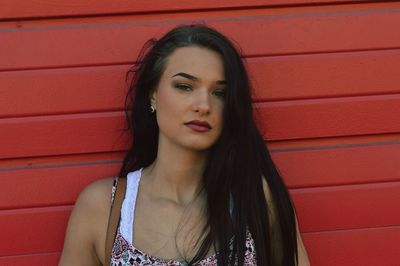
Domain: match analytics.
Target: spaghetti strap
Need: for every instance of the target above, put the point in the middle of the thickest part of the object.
(114, 188)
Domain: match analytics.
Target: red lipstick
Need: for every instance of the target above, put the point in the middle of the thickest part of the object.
(199, 126)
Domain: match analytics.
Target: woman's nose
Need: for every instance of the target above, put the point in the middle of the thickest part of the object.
(202, 102)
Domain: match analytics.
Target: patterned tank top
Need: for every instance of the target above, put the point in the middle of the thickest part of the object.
(123, 251)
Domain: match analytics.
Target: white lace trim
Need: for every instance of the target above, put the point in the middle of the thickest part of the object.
(128, 205)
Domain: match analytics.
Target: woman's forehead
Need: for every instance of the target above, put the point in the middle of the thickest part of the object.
(195, 61)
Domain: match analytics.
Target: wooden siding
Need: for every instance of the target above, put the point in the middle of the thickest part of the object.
(326, 96)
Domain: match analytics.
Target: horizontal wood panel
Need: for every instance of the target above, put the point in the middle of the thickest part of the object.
(345, 248)
(276, 147)
(50, 186)
(56, 91)
(366, 247)
(59, 161)
(260, 32)
(330, 165)
(59, 181)
(42, 259)
(332, 143)
(41, 8)
(101, 132)
(325, 75)
(36, 230)
(45, 229)
(62, 134)
(329, 117)
(346, 207)
(88, 89)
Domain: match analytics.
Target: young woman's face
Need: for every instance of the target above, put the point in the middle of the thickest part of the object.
(189, 99)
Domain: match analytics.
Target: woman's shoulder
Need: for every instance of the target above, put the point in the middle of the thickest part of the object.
(94, 202)
(88, 224)
(97, 191)
(96, 196)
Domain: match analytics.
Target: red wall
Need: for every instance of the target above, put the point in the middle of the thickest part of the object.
(327, 93)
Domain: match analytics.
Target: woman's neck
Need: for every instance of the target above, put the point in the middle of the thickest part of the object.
(176, 174)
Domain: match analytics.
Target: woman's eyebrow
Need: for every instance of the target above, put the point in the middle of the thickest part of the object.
(188, 76)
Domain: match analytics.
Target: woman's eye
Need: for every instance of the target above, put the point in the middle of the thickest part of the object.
(219, 93)
(183, 87)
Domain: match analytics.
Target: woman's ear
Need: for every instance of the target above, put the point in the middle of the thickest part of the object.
(153, 98)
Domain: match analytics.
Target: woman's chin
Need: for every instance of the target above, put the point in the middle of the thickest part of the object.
(199, 146)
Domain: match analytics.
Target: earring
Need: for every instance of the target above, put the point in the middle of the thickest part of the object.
(152, 109)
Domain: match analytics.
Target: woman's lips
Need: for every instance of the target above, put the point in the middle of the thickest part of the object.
(199, 126)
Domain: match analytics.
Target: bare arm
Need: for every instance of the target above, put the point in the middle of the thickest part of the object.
(301, 251)
(85, 236)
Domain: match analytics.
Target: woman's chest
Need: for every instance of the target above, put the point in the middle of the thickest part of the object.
(168, 231)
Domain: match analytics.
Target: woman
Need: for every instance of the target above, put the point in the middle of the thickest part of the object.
(202, 188)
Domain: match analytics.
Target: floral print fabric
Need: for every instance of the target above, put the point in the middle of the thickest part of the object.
(124, 253)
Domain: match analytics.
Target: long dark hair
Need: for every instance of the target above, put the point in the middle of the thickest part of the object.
(237, 162)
